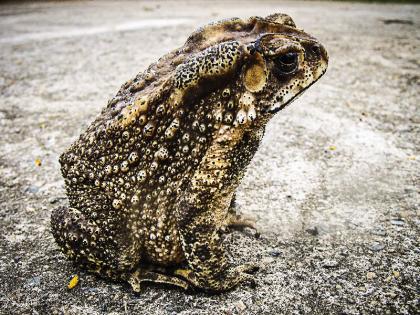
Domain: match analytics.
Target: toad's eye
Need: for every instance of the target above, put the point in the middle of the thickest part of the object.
(286, 63)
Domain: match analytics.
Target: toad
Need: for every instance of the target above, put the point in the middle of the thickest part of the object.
(151, 182)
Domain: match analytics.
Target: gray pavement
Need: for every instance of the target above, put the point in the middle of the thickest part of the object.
(334, 187)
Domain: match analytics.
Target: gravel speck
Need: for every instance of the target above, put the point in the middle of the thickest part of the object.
(376, 246)
(274, 253)
(240, 305)
(329, 263)
(313, 231)
(378, 231)
(398, 222)
(370, 275)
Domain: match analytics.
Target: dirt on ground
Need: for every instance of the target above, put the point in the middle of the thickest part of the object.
(334, 187)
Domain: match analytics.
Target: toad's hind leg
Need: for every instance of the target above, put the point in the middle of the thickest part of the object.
(98, 248)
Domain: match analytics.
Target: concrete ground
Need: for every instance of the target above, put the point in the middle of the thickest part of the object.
(334, 187)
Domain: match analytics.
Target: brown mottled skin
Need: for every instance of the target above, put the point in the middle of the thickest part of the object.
(151, 181)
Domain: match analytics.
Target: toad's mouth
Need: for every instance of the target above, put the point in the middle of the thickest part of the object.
(274, 109)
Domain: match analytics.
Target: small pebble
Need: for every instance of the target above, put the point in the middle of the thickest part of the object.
(398, 222)
(370, 275)
(378, 231)
(274, 253)
(267, 260)
(329, 263)
(313, 231)
(240, 305)
(35, 281)
(32, 189)
(54, 200)
(376, 246)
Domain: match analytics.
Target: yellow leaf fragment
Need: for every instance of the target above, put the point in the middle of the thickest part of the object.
(38, 162)
(73, 282)
(396, 274)
(411, 157)
(332, 147)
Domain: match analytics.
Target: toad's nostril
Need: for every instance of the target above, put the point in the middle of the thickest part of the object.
(315, 52)
(316, 49)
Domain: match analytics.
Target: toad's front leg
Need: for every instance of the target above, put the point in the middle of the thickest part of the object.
(203, 248)
(201, 214)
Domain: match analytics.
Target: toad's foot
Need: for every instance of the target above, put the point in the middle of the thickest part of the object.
(243, 274)
(239, 222)
(136, 278)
